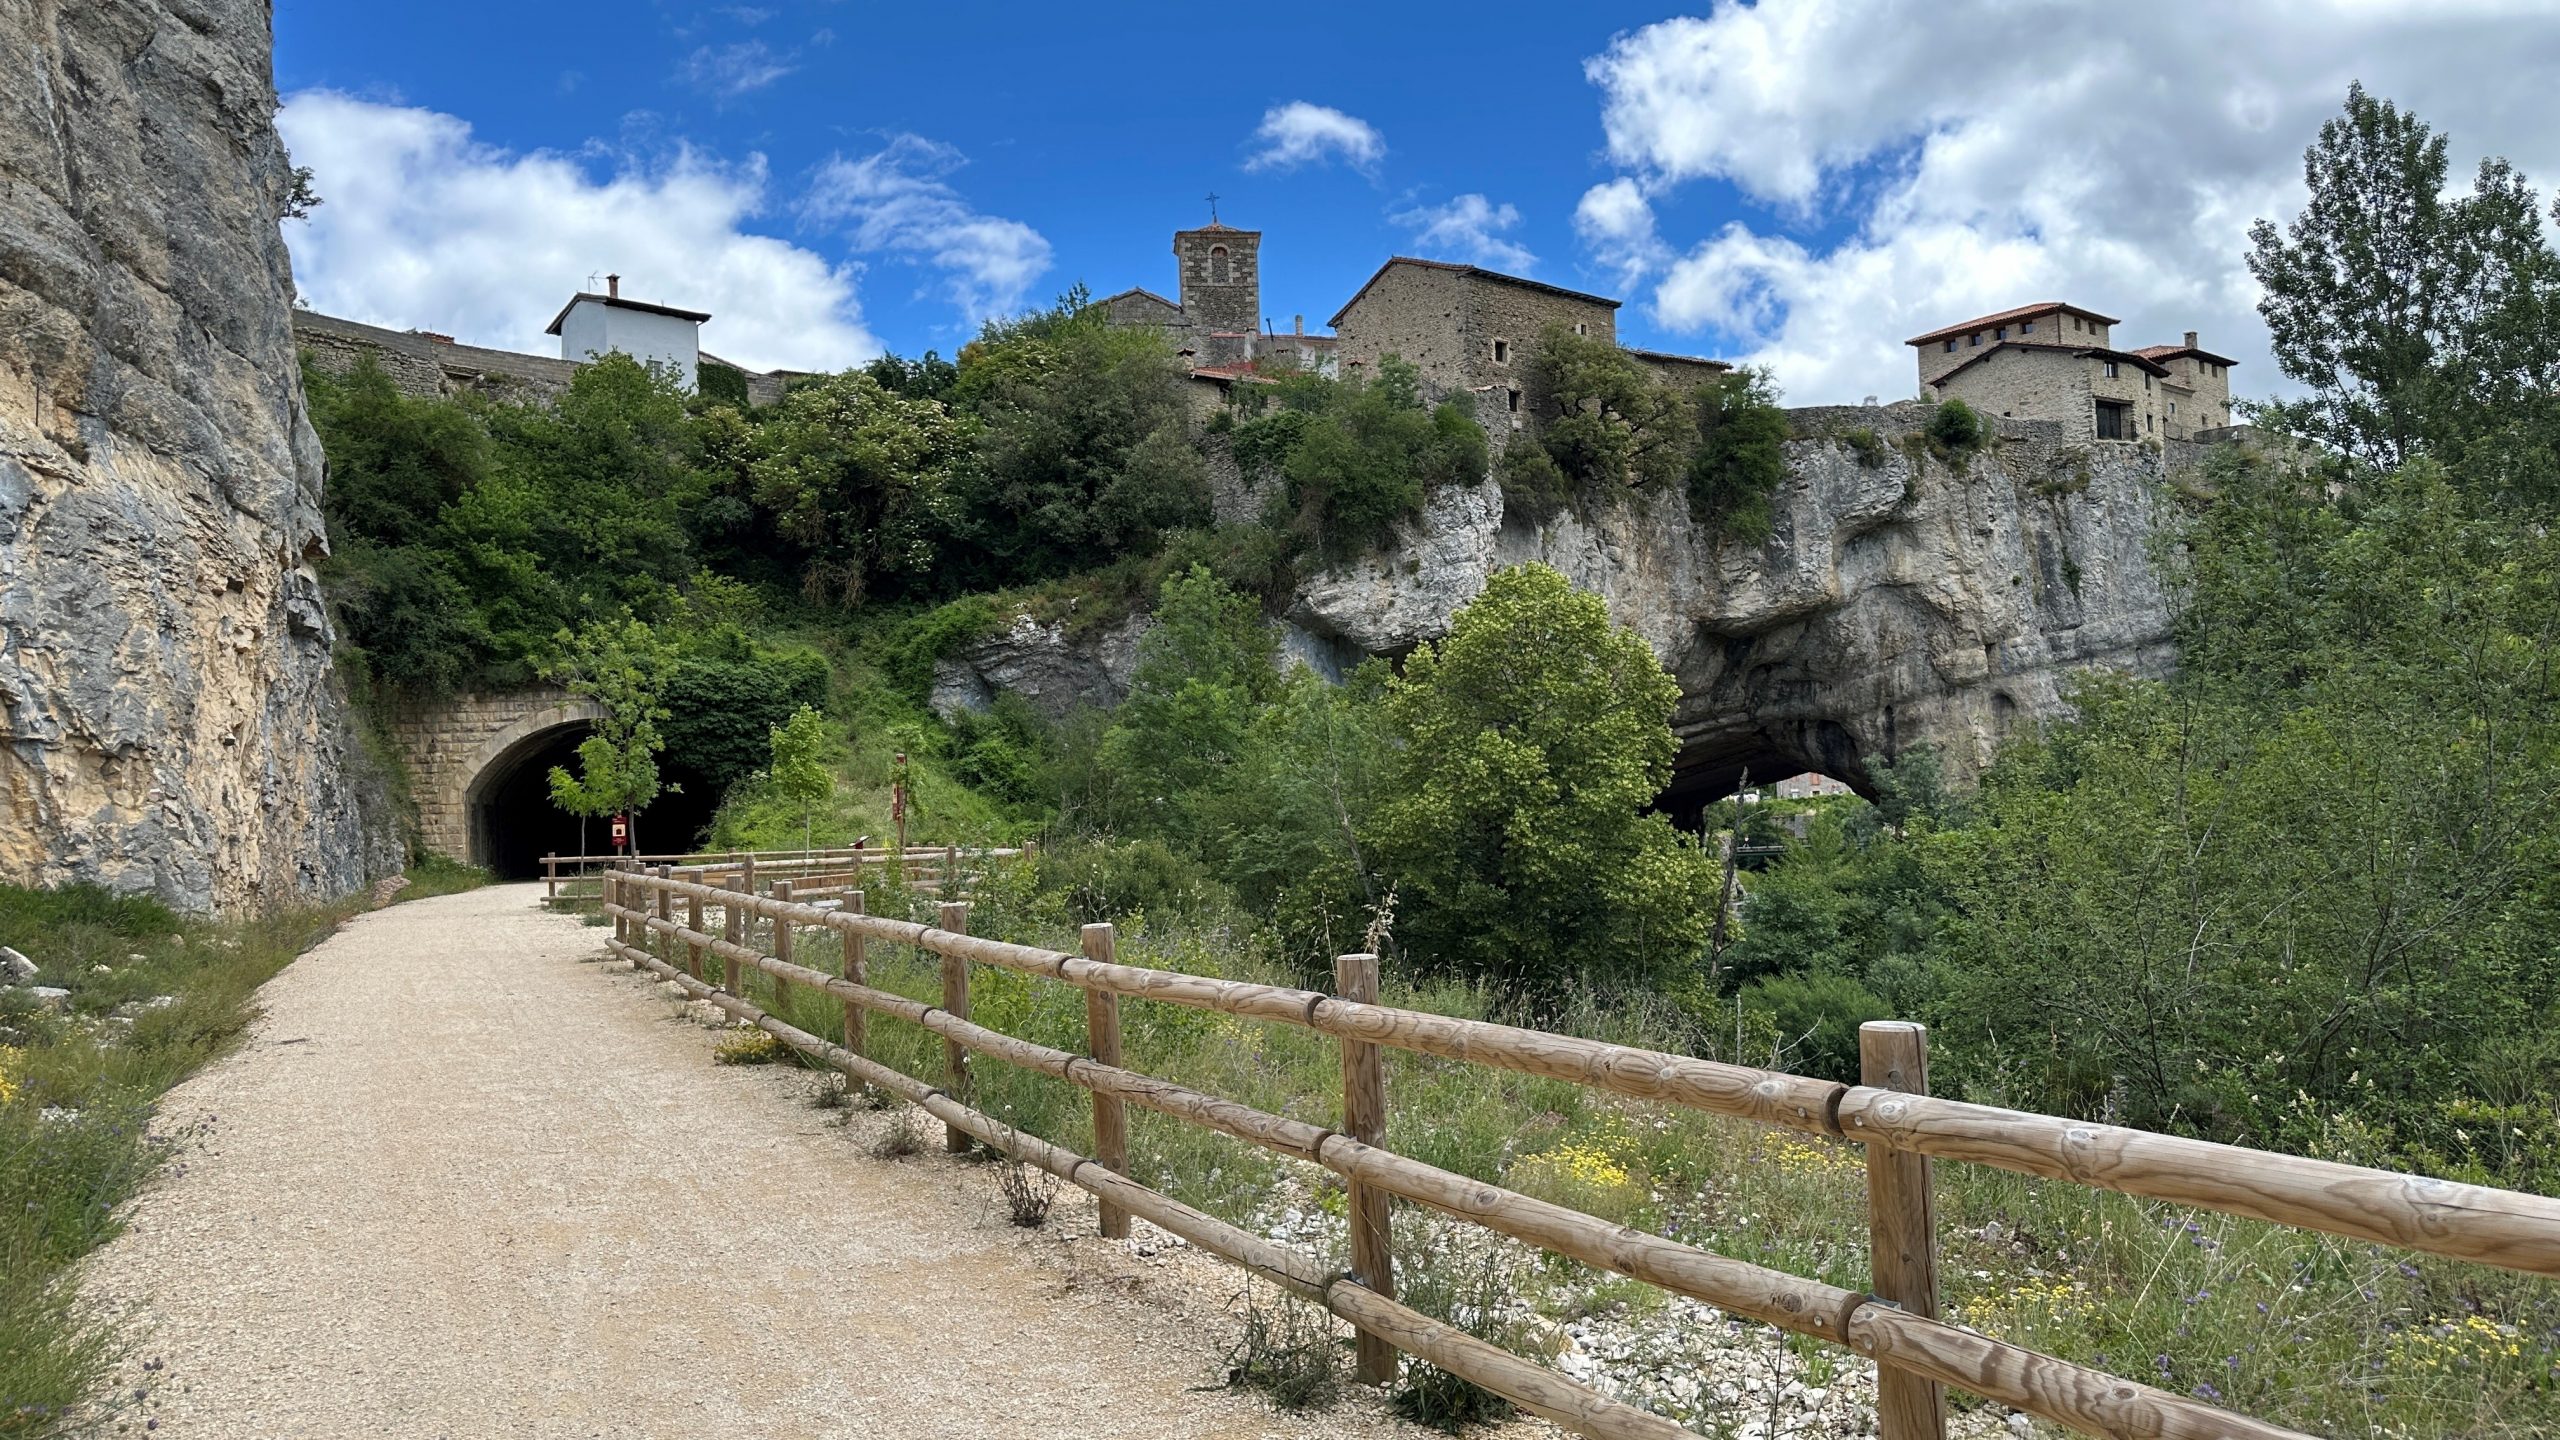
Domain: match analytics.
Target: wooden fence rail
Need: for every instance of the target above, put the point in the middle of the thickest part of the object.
(820, 866)
(1892, 1115)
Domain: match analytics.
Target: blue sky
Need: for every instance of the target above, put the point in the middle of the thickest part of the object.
(1800, 184)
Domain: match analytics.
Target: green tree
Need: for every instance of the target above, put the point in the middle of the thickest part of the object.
(1741, 458)
(620, 664)
(1203, 669)
(799, 772)
(853, 475)
(1604, 419)
(2421, 322)
(1514, 824)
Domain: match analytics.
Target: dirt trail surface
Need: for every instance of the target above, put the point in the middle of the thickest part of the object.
(462, 1181)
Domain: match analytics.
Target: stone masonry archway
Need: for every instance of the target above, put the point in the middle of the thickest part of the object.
(461, 751)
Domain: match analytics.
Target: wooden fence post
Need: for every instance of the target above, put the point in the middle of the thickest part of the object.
(1364, 1118)
(693, 922)
(1902, 1228)
(550, 875)
(782, 927)
(666, 948)
(955, 1001)
(732, 923)
(611, 893)
(749, 862)
(857, 968)
(1102, 1042)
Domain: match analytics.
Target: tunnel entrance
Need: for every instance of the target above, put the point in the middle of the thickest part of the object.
(514, 824)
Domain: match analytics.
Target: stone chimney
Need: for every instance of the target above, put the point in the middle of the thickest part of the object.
(613, 290)
(1301, 324)
(2191, 339)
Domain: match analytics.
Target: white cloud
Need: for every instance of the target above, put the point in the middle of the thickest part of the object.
(1300, 133)
(729, 71)
(426, 228)
(1906, 166)
(1615, 222)
(1466, 229)
(898, 202)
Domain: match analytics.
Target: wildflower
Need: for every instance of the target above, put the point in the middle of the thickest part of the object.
(2204, 1391)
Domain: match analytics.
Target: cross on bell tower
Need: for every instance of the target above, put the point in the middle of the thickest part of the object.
(1213, 207)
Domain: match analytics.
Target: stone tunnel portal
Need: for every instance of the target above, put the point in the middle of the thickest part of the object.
(513, 823)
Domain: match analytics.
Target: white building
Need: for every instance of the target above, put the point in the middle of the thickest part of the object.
(591, 325)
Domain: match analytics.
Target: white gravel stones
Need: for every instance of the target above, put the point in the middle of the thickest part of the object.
(15, 968)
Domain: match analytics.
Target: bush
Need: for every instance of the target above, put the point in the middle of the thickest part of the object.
(1741, 459)
(1864, 443)
(910, 650)
(1104, 880)
(1534, 487)
(1818, 1015)
(1027, 1193)
(1955, 430)
(1289, 1352)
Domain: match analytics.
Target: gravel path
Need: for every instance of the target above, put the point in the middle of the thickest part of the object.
(464, 1182)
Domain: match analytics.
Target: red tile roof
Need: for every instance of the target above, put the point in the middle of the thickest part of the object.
(2171, 352)
(2023, 312)
(618, 303)
(2090, 352)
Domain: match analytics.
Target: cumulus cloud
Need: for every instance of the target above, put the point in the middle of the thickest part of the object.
(1300, 133)
(1904, 166)
(900, 202)
(1615, 222)
(426, 228)
(1467, 228)
(729, 71)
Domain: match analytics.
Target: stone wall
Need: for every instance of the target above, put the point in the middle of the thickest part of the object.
(169, 719)
(1233, 305)
(422, 364)
(451, 745)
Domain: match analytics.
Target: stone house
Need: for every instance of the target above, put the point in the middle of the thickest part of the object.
(591, 325)
(1472, 332)
(2052, 361)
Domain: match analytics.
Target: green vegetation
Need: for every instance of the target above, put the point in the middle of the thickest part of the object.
(151, 998)
(1608, 426)
(1357, 454)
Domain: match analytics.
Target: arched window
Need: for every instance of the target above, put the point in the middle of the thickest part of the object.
(1217, 264)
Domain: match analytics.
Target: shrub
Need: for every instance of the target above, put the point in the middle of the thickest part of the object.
(1864, 443)
(1534, 487)
(901, 1137)
(746, 1047)
(910, 650)
(1289, 1352)
(1027, 1193)
(1819, 1016)
(1105, 880)
(1741, 458)
(1955, 430)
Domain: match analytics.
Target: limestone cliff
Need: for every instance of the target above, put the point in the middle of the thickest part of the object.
(169, 721)
(1900, 601)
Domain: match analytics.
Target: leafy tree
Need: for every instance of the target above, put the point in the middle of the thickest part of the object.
(1360, 454)
(589, 793)
(853, 476)
(620, 664)
(928, 378)
(1055, 481)
(723, 695)
(1202, 670)
(1741, 458)
(1604, 419)
(799, 772)
(2421, 322)
(1514, 824)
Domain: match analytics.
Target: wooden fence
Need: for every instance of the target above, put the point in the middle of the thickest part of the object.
(931, 865)
(1902, 1127)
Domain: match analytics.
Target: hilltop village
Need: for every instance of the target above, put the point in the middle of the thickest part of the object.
(1471, 332)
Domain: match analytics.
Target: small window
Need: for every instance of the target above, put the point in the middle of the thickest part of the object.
(1581, 329)
(1512, 398)
(1502, 355)
(1217, 264)
(1974, 339)
(1951, 347)
(2111, 370)
(2000, 334)
(2026, 327)
(2112, 415)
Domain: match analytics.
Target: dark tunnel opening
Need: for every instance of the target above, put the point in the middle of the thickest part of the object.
(514, 824)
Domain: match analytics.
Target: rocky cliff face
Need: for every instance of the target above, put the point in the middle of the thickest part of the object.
(1901, 601)
(168, 717)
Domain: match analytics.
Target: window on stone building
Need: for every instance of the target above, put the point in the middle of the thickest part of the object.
(1502, 355)
(1974, 339)
(1217, 264)
(1512, 399)
(2111, 370)
(1951, 347)
(2113, 418)
(2026, 327)
(1581, 329)
(2000, 334)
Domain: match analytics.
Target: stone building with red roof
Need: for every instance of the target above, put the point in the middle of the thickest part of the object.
(2060, 362)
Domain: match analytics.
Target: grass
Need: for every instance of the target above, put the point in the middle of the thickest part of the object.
(2316, 1333)
(77, 1087)
(437, 875)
